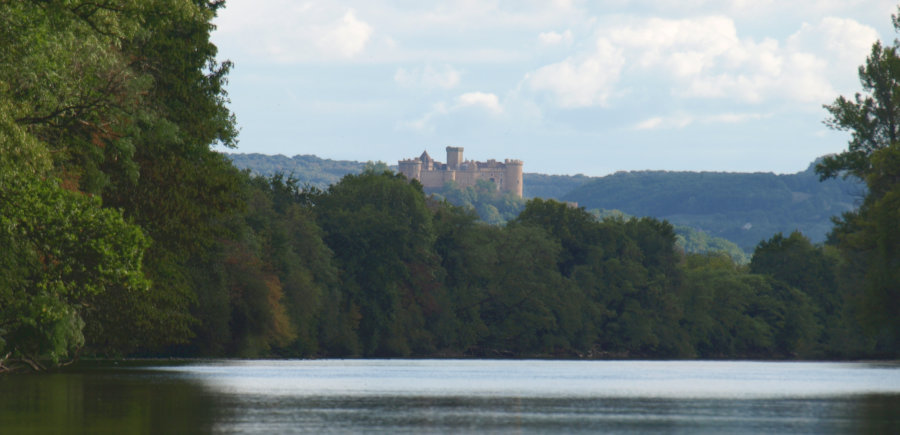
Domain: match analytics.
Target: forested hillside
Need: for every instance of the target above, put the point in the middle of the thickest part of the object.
(306, 169)
(743, 208)
(551, 186)
(321, 173)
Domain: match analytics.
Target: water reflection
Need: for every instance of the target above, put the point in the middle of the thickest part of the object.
(528, 415)
(457, 396)
(99, 401)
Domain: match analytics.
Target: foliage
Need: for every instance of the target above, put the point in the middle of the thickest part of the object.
(123, 233)
(693, 241)
(380, 230)
(718, 204)
(868, 237)
(690, 240)
(491, 205)
(60, 250)
(742, 208)
(63, 90)
(306, 169)
(551, 186)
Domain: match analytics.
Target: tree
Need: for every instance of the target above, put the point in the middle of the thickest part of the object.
(872, 118)
(66, 92)
(380, 230)
(184, 192)
(576, 229)
(61, 249)
(867, 237)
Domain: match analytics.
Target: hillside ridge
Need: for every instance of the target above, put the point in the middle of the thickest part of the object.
(744, 207)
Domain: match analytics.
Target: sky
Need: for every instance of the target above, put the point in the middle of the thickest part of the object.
(567, 86)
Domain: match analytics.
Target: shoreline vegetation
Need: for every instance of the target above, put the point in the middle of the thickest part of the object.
(124, 234)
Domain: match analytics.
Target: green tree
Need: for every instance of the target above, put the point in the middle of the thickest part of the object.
(867, 237)
(61, 250)
(730, 313)
(72, 85)
(66, 91)
(380, 230)
(184, 193)
(528, 307)
(626, 269)
(491, 205)
(466, 251)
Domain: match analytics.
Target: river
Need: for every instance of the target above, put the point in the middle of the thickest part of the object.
(454, 396)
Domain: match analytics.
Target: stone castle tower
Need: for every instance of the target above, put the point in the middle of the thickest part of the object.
(507, 175)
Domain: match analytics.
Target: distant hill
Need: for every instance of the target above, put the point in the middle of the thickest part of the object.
(306, 168)
(551, 186)
(742, 207)
(324, 172)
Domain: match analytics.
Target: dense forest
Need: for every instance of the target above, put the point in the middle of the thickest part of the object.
(308, 170)
(124, 234)
(743, 208)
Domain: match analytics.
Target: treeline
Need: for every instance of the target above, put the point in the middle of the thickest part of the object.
(308, 169)
(123, 233)
(373, 267)
(497, 208)
(742, 207)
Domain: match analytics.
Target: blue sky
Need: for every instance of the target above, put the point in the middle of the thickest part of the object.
(568, 86)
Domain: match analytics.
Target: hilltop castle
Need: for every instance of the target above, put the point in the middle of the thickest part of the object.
(507, 175)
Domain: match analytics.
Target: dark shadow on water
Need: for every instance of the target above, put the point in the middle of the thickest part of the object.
(106, 401)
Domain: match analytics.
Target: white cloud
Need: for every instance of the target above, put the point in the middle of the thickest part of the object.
(671, 122)
(734, 118)
(285, 31)
(706, 58)
(682, 120)
(581, 81)
(348, 36)
(649, 124)
(424, 123)
(484, 100)
(554, 38)
(428, 77)
(844, 42)
(563, 4)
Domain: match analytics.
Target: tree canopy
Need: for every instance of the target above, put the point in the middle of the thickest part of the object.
(868, 236)
(124, 234)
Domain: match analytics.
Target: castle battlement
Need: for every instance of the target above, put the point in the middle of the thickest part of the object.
(507, 175)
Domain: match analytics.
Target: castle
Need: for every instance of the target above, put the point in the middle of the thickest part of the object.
(507, 175)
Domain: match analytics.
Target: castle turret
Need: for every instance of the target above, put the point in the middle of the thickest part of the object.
(513, 177)
(411, 168)
(427, 161)
(454, 157)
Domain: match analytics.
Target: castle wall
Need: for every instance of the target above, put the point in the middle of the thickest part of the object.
(436, 179)
(507, 176)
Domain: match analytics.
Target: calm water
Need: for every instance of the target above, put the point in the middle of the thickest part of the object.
(453, 396)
